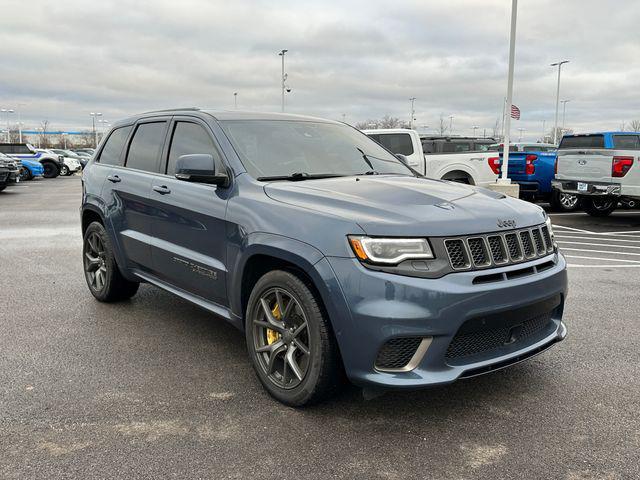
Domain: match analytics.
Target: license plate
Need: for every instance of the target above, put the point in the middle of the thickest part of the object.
(583, 187)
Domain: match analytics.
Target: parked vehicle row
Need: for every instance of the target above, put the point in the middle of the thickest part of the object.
(459, 159)
(23, 162)
(601, 169)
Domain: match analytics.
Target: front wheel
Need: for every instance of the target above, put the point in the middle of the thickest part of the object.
(599, 206)
(564, 202)
(25, 174)
(104, 279)
(289, 340)
(64, 171)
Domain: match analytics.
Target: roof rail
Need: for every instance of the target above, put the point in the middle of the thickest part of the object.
(174, 109)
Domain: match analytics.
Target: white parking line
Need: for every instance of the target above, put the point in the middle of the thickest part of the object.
(596, 238)
(600, 251)
(598, 244)
(606, 259)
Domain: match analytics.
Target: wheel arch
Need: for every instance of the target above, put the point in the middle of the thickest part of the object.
(458, 173)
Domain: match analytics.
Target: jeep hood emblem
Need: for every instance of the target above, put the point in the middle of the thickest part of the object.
(507, 223)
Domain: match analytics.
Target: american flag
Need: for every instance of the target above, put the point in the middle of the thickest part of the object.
(515, 112)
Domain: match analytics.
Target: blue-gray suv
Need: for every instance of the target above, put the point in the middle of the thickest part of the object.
(330, 254)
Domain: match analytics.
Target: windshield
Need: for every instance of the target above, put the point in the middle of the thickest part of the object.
(281, 148)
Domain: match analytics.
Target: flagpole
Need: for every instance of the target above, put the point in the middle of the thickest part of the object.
(507, 117)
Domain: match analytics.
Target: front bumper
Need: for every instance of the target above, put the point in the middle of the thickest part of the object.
(593, 189)
(381, 306)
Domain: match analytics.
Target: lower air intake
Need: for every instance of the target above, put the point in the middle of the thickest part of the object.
(397, 352)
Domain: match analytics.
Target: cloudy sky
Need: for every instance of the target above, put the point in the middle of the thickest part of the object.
(364, 59)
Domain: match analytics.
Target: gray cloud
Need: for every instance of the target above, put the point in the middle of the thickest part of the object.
(363, 59)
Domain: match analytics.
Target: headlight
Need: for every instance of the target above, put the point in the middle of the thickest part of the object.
(389, 251)
(548, 223)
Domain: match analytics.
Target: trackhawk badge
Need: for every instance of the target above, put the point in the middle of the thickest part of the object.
(507, 223)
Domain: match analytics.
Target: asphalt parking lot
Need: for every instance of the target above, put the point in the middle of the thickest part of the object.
(157, 388)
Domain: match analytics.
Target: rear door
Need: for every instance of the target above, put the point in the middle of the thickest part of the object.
(127, 191)
(585, 158)
(188, 221)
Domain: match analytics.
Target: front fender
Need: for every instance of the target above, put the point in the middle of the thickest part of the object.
(305, 257)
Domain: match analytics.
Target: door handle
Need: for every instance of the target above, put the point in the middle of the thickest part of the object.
(114, 178)
(161, 189)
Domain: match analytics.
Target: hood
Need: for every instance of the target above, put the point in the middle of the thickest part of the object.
(407, 206)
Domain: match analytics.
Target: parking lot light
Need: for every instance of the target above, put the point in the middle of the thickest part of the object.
(93, 121)
(555, 125)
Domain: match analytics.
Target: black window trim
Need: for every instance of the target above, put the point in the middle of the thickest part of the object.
(104, 143)
(141, 121)
(630, 134)
(164, 161)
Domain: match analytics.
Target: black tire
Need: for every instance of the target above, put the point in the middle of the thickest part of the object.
(51, 170)
(564, 202)
(98, 261)
(599, 206)
(322, 373)
(2, 187)
(25, 174)
(64, 171)
(458, 177)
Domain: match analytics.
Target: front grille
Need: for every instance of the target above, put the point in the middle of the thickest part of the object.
(498, 252)
(397, 352)
(498, 249)
(527, 244)
(457, 254)
(481, 341)
(547, 238)
(514, 246)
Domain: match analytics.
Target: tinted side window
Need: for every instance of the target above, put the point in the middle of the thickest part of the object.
(145, 148)
(582, 141)
(110, 154)
(397, 143)
(189, 138)
(626, 142)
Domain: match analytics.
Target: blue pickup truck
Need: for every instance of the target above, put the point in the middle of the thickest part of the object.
(532, 166)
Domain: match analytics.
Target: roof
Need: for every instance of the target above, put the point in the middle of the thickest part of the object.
(230, 115)
(600, 133)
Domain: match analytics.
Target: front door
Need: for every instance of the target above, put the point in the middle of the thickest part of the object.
(188, 225)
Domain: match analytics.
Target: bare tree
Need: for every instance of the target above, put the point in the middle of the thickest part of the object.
(442, 128)
(634, 125)
(496, 128)
(385, 122)
(43, 141)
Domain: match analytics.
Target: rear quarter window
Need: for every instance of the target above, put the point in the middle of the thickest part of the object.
(396, 142)
(626, 142)
(111, 153)
(582, 141)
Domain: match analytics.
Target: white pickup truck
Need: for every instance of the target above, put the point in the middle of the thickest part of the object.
(601, 168)
(472, 167)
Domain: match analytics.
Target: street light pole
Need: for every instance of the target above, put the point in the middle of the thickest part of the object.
(521, 132)
(507, 114)
(413, 112)
(8, 111)
(564, 110)
(235, 99)
(284, 75)
(555, 125)
(475, 127)
(450, 124)
(95, 132)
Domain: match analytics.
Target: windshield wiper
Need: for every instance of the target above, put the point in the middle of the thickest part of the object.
(366, 159)
(299, 176)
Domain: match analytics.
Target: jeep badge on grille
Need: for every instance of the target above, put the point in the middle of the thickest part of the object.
(507, 223)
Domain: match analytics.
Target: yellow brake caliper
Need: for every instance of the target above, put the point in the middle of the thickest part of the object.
(272, 335)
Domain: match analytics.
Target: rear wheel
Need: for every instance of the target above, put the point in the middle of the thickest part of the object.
(25, 174)
(289, 340)
(458, 177)
(104, 279)
(599, 206)
(51, 170)
(564, 202)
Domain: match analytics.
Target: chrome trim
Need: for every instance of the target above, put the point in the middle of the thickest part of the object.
(415, 360)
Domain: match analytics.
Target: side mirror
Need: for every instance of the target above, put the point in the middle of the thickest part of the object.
(402, 158)
(201, 168)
